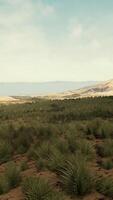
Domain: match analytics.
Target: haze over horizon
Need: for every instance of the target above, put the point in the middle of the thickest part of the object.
(42, 88)
(54, 40)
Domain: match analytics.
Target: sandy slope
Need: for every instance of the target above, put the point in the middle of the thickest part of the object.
(102, 89)
(7, 99)
(11, 100)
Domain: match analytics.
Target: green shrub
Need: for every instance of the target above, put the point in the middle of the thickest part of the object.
(39, 189)
(106, 130)
(6, 132)
(72, 142)
(47, 132)
(12, 175)
(23, 140)
(10, 179)
(76, 178)
(23, 165)
(57, 196)
(107, 164)
(105, 149)
(100, 129)
(30, 153)
(62, 145)
(57, 160)
(86, 148)
(42, 164)
(105, 186)
(42, 151)
(5, 151)
(93, 127)
(4, 185)
(48, 155)
(81, 145)
(36, 189)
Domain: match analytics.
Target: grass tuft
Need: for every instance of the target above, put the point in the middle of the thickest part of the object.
(76, 178)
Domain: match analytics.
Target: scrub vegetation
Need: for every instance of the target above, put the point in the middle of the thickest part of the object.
(57, 150)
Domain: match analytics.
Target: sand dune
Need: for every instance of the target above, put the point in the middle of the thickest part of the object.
(101, 89)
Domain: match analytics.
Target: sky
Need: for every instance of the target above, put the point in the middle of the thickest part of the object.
(56, 40)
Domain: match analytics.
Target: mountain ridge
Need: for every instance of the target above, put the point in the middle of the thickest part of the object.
(40, 88)
(99, 89)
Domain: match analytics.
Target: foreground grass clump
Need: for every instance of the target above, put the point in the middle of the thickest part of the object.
(13, 175)
(39, 189)
(23, 165)
(87, 149)
(36, 188)
(57, 196)
(40, 153)
(100, 129)
(5, 151)
(57, 160)
(107, 164)
(4, 185)
(93, 128)
(23, 139)
(76, 178)
(106, 148)
(105, 186)
(49, 155)
(47, 132)
(10, 179)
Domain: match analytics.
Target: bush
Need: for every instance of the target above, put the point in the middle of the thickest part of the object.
(105, 186)
(87, 149)
(47, 132)
(93, 127)
(36, 188)
(23, 139)
(42, 151)
(57, 196)
(48, 156)
(42, 164)
(105, 149)
(39, 189)
(72, 141)
(76, 178)
(107, 164)
(61, 145)
(106, 130)
(4, 185)
(5, 151)
(81, 145)
(100, 129)
(23, 166)
(10, 179)
(56, 161)
(12, 175)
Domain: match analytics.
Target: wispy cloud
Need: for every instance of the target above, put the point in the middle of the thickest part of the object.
(31, 49)
(85, 34)
(76, 31)
(47, 10)
(23, 45)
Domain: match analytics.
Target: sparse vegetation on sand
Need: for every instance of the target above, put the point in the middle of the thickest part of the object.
(56, 150)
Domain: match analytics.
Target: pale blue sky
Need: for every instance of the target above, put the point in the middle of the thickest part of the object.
(52, 40)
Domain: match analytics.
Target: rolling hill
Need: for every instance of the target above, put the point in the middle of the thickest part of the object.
(100, 89)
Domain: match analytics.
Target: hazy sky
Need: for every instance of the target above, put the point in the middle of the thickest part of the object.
(50, 40)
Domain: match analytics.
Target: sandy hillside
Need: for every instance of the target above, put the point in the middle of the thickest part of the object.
(102, 89)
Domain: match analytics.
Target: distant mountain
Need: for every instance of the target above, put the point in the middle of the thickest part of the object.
(100, 89)
(35, 89)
